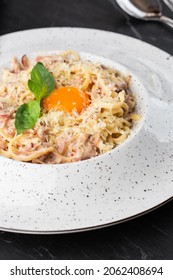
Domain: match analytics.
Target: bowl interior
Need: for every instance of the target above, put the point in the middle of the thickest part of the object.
(136, 87)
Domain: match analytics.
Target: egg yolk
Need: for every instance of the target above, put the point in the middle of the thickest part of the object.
(66, 99)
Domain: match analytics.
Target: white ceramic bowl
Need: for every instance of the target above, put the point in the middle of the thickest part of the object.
(129, 180)
(67, 186)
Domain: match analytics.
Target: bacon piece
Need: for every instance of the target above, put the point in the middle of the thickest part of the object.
(3, 143)
(130, 101)
(6, 110)
(25, 61)
(90, 148)
(19, 66)
(61, 144)
(16, 67)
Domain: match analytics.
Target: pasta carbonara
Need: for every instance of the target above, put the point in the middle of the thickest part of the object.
(63, 135)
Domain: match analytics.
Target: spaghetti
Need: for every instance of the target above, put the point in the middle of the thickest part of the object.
(60, 136)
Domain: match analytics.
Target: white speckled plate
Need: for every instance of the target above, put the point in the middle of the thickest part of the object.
(136, 177)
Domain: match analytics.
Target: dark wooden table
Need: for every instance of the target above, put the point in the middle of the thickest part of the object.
(147, 237)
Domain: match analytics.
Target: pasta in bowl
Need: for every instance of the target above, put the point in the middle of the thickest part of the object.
(65, 107)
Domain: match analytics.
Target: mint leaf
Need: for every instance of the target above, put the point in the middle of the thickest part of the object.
(42, 83)
(27, 115)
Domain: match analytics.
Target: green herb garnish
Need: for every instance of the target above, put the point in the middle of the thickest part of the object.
(27, 115)
(41, 84)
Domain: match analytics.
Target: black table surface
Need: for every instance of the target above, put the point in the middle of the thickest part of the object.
(147, 237)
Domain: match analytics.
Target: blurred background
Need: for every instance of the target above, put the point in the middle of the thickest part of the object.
(18, 15)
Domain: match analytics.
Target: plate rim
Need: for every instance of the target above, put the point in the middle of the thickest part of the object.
(87, 29)
(86, 229)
